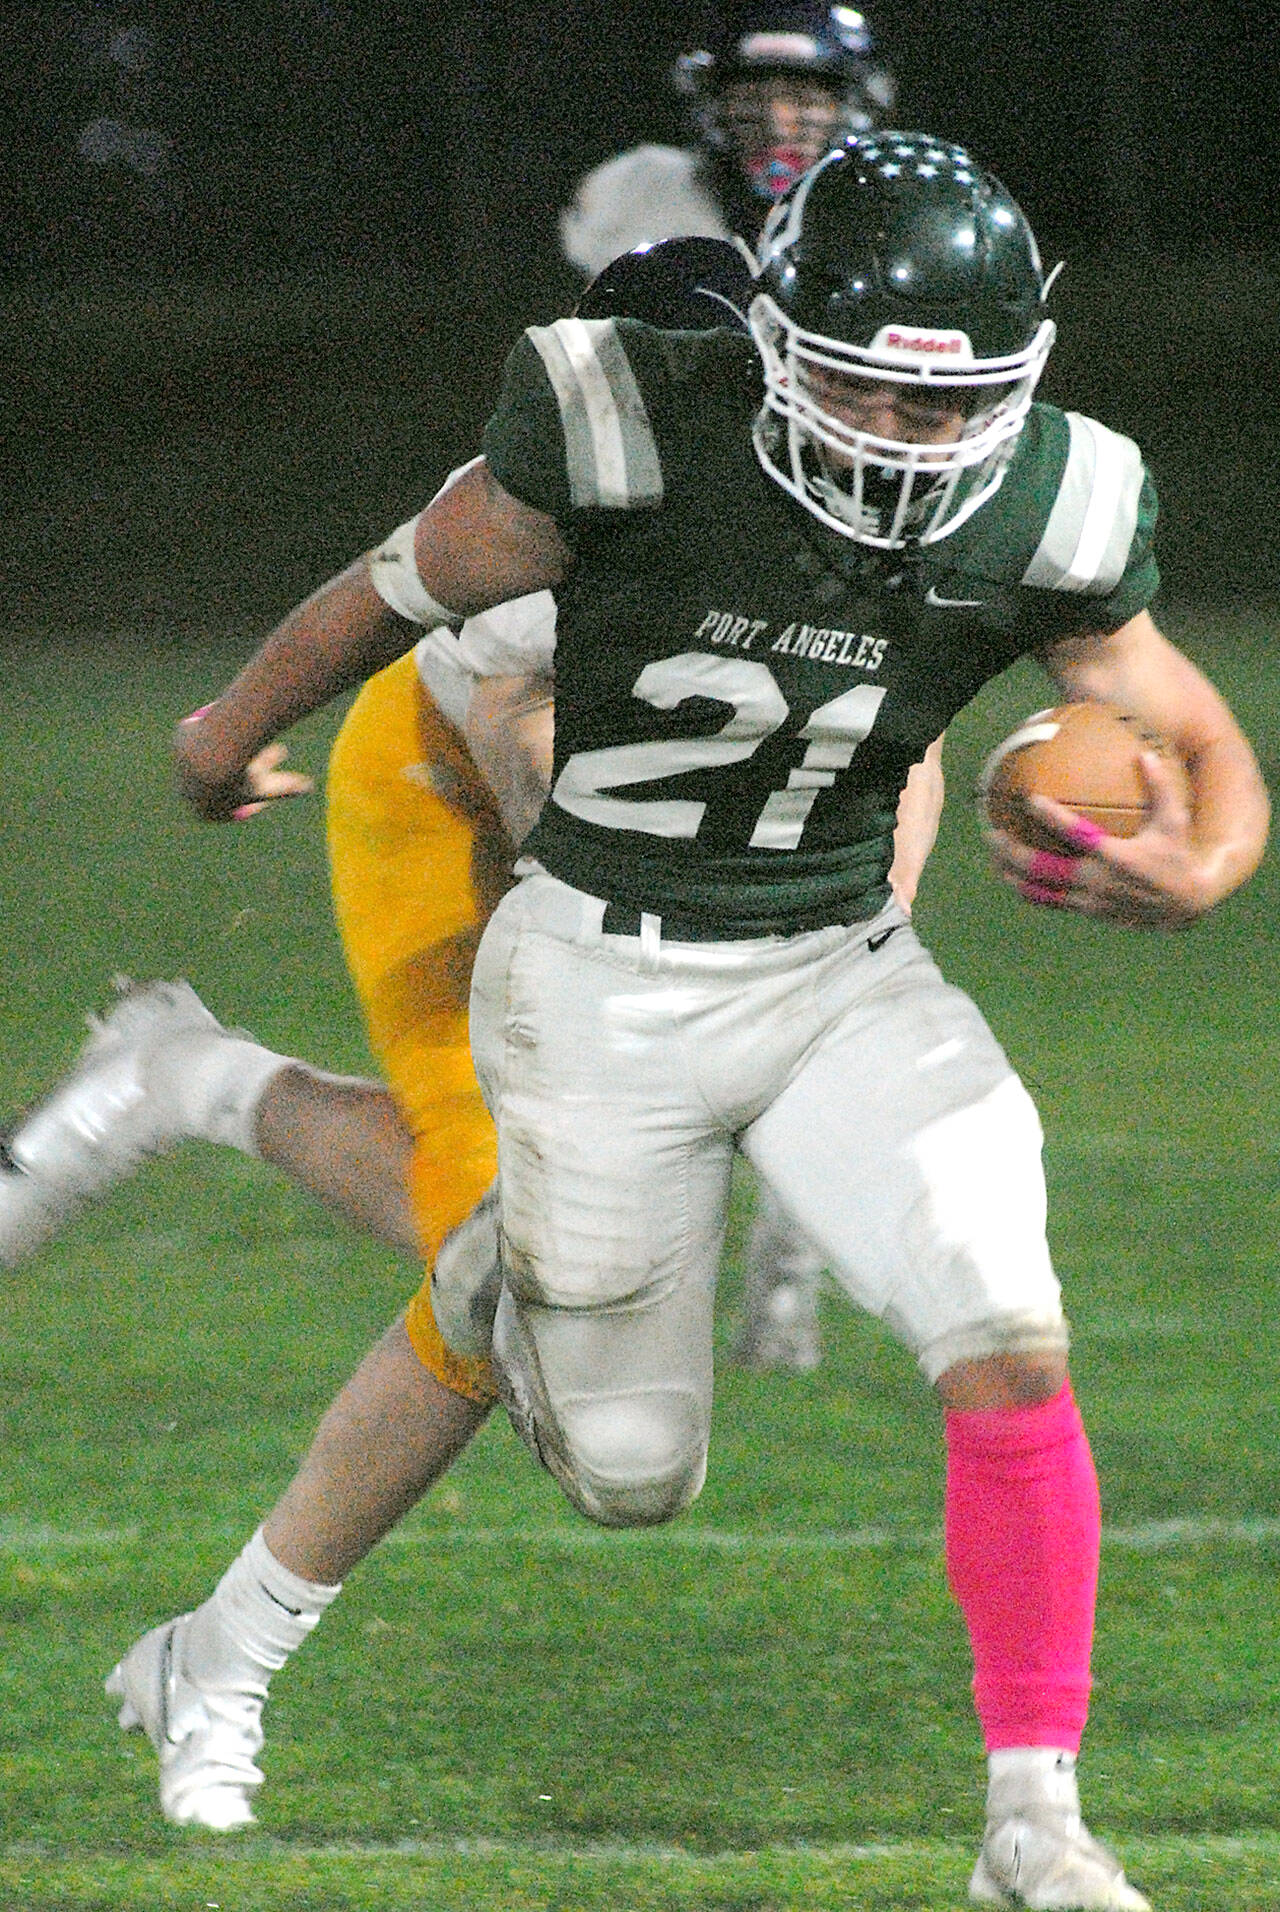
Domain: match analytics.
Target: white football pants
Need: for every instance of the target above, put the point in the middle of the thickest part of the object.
(621, 1072)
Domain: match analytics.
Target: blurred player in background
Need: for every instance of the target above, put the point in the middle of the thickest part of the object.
(420, 847)
(716, 960)
(775, 87)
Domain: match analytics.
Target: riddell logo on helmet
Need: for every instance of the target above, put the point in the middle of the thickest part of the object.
(904, 341)
(926, 341)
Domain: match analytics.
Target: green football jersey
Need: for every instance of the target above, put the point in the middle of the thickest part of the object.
(740, 693)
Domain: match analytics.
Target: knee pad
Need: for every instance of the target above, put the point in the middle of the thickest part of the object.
(637, 1459)
(623, 1457)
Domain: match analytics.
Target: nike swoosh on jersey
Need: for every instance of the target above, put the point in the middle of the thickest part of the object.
(952, 604)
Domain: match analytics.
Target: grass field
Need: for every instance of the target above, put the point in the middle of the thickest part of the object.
(761, 1708)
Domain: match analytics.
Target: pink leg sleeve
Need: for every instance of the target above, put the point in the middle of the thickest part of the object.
(1022, 1538)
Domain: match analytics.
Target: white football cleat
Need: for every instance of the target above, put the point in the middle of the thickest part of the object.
(207, 1741)
(107, 1115)
(1047, 1860)
(781, 1279)
(780, 1330)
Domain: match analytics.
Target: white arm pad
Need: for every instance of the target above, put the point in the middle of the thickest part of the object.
(393, 573)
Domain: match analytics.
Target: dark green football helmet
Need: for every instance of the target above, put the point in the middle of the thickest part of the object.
(897, 265)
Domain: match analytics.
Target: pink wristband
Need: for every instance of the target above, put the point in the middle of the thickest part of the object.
(196, 715)
(1048, 867)
(1086, 834)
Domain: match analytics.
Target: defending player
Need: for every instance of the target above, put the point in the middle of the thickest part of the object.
(701, 948)
(404, 796)
(775, 86)
(418, 857)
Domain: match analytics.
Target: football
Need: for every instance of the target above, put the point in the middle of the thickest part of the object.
(1084, 755)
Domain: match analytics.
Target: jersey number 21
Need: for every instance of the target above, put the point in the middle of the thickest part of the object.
(832, 734)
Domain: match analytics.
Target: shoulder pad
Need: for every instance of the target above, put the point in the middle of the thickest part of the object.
(638, 197)
(611, 454)
(1089, 532)
(638, 168)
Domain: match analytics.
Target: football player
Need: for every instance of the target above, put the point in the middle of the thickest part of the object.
(781, 566)
(775, 87)
(412, 1164)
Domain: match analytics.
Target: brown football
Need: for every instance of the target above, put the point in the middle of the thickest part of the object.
(1084, 755)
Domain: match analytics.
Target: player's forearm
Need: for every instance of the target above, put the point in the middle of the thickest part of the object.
(333, 640)
(472, 547)
(1138, 669)
(1196, 845)
(919, 810)
(1230, 811)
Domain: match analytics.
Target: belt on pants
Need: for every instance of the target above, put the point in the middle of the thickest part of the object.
(622, 919)
(577, 911)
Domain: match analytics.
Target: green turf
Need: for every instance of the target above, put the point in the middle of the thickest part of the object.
(762, 1707)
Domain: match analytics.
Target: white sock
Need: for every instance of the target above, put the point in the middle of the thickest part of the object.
(1021, 1777)
(257, 1615)
(218, 1081)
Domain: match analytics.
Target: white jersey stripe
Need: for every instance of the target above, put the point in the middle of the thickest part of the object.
(644, 468)
(609, 443)
(1107, 533)
(1097, 509)
(579, 444)
(1061, 534)
(1086, 542)
(608, 483)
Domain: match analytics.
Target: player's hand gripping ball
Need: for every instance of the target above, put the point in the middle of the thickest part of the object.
(1084, 755)
(1087, 756)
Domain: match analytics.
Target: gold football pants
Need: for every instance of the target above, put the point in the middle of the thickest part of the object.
(418, 861)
